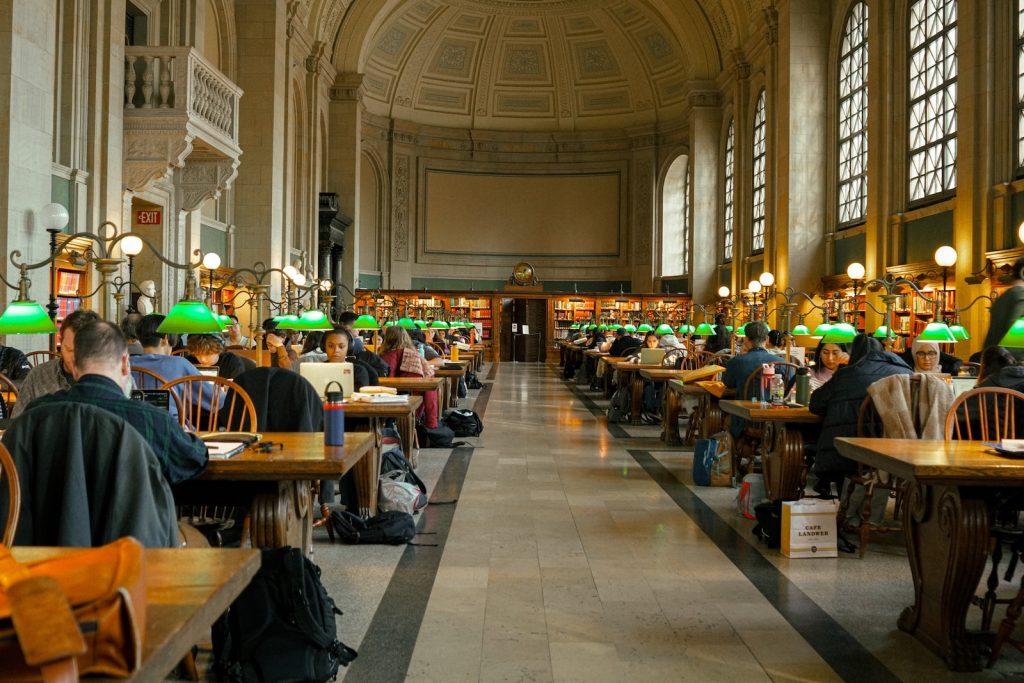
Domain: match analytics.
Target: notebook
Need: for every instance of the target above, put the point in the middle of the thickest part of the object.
(962, 384)
(651, 356)
(320, 374)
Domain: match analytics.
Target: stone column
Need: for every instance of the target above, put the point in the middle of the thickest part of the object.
(801, 116)
(343, 165)
(642, 216)
(705, 130)
(742, 121)
(27, 58)
(259, 187)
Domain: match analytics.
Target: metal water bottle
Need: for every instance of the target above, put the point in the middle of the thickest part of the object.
(334, 416)
(803, 386)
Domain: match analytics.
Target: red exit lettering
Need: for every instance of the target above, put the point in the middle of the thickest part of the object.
(148, 217)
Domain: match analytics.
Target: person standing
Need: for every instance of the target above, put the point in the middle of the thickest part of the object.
(1006, 310)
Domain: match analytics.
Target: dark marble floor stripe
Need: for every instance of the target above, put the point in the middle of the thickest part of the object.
(614, 428)
(833, 643)
(492, 373)
(387, 647)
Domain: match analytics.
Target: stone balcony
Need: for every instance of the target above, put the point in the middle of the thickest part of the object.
(180, 121)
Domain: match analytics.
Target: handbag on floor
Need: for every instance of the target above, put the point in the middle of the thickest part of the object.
(399, 495)
(389, 528)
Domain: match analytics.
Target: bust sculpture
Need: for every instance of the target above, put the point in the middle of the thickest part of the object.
(147, 301)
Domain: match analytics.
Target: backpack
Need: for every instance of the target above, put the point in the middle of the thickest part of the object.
(395, 460)
(622, 403)
(712, 461)
(769, 523)
(281, 628)
(392, 528)
(472, 381)
(442, 437)
(464, 422)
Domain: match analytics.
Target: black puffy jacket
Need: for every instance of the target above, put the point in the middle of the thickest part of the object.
(839, 399)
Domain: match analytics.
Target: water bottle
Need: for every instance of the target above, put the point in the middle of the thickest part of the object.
(767, 376)
(778, 390)
(334, 416)
(803, 386)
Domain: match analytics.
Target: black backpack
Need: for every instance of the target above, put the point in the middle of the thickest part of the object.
(281, 628)
(394, 460)
(769, 523)
(621, 405)
(472, 381)
(464, 422)
(442, 437)
(392, 528)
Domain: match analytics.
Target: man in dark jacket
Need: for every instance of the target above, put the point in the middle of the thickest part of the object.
(103, 379)
(838, 402)
(624, 342)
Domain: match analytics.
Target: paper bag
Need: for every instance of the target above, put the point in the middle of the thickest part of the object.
(809, 528)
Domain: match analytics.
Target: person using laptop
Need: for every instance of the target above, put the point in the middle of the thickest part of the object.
(207, 350)
(624, 341)
(103, 379)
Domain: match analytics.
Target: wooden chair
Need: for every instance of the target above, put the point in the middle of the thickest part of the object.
(437, 347)
(9, 472)
(179, 352)
(237, 412)
(675, 356)
(263, 361)
(989, 413)
(39, 357)
(869, 425)
(8, 394)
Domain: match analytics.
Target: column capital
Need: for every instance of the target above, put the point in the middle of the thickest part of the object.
(771, 22)
(347, 88)
(740, 64)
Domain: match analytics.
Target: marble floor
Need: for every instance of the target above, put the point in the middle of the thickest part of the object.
(575, 550)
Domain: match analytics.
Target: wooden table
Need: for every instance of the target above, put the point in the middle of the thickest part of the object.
(411, 385)
(782, 457)
(186, 591)
(694, 425)
(707, 418)
(277, 486)
(631, 374)
(449, 396)
(403, 413)
(946, 518)
(670, 400)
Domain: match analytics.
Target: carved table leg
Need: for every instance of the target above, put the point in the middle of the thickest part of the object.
(609, 387)
(785, 469)
(670, 428)
(283, 518)
(713, 418)
(947, 532)
(696, 422)
(636, 405)
(367, 479)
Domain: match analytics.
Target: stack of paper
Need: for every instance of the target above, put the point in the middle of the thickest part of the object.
(360, 397)
(378, 390)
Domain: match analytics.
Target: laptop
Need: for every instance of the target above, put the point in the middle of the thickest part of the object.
(962, 384)
(321, 374)
(158, 398)
(651, 356)
(208, 371)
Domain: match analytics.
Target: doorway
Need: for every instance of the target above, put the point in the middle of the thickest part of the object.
(518, 315)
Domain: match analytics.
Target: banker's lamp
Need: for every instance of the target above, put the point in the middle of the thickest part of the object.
(840, 333)
(1014, 337)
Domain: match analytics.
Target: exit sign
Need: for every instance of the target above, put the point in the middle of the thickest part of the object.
(148, 217)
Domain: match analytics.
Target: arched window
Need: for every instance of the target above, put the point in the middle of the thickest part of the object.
(932, 99)
(730, 168)
(1020, 86)
(758, 184)
(675, 219)
(853, 117)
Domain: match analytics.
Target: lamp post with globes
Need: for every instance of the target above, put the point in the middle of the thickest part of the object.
(856, 272)
(211, 261)
(754, 287)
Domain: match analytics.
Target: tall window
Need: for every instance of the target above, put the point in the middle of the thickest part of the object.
(853, 117)
(730, 167)
(758, 184)
(675, 220)
(1020, 85)
(933, 40)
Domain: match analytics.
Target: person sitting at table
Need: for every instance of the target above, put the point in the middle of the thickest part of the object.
(130, 330)
(669, 341)
(207, 350)
(403, 360)
(431, 337)
(927, 356)
(624, 341)
(720, 341)
(279, 343)
(827, 359)
(103, 379)
(311, 348)
(993, 360)
(650, 341)
(158, 358)
(838, 402)
(57, 374)
(427, 351)
(347, 319)
(235, 336)
(776, 344)
(753, 355)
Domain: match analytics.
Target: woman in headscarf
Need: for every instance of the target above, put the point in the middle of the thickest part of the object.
(926, 356)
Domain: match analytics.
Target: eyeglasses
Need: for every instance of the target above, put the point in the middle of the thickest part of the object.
(267, 446)
(926, 354)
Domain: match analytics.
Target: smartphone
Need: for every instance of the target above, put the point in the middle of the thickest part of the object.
(158, 398)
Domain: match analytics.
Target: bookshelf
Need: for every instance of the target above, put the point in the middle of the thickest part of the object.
(70, 287)
(569, 310)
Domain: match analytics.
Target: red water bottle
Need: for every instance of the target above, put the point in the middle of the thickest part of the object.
(334, 416)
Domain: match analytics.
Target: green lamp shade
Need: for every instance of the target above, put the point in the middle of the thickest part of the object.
(801, 329)
(841, 333)
(631, 328)
(225, 321)
(729, 328)
(822, 329)
(313, 320)
(883, 332)
(686, 329)
(615, 327)
(406, 324)
(365, 322)
(602, 327)
(644, 327)
(189, 317)
(287, 321)
(937, 332)
(960, 332)
(26, 317)
(704, 330)
(1013, 339)
(574, 326)
(663, 328)
(439, 325)
(741, 331)
(420, 323)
